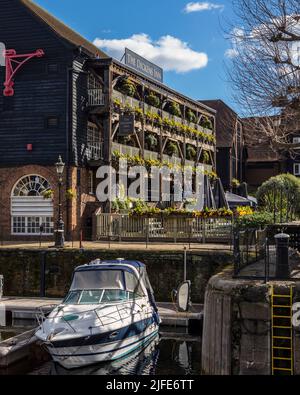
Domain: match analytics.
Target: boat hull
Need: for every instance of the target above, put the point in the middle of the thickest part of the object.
(73, 357)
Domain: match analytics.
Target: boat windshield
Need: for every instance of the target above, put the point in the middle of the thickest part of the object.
(96, 296)
(103, 286)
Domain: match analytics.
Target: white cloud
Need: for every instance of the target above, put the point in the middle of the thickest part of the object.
(238, 35)
(169, 52)
(202, 6)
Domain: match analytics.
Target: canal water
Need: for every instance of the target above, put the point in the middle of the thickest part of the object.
(172, 353)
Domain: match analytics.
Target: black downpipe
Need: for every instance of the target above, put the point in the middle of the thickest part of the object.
(69, 114)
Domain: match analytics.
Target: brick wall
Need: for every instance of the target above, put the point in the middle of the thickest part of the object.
(75, 211)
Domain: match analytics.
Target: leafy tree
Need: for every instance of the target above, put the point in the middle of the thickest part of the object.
(280, 196)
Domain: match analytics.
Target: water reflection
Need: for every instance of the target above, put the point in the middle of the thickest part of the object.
(141, 362)
(161, 356)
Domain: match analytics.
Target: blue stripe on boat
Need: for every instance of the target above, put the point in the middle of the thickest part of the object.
(128, 331)
(110, 351)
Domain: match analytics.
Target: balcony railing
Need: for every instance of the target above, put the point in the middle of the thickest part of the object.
(96, 97)
(95, 151)
(125, 149)
(173, 160)
(127, 100)
(151, 155)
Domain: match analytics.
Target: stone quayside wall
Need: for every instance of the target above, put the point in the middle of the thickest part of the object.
(21, 270)
(237, 326)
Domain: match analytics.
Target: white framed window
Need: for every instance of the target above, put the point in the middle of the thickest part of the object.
(30, 208)
(32, 225)
(296, 169)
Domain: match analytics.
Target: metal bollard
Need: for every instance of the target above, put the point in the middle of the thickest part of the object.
(282, 256)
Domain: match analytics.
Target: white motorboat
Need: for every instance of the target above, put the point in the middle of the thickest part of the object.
(143, 361)
(108, 313)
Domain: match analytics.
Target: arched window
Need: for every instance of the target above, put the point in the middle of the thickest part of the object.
(31, 210)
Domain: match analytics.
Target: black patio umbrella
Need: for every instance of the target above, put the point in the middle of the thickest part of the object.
(235, 201)
(209, 200)
(219, 195)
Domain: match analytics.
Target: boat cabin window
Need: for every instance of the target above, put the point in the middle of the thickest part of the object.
(103, 286)
(98, 279)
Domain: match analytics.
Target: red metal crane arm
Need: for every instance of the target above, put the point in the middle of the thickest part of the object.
(12, 58)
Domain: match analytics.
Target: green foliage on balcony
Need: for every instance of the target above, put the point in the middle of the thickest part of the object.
(205, 157)
(172, 149)
(174, 109)
(127, 87)
(148, 163)
(206, 123)
(191, 152)
(168, 124)
(151, 141)
(153, 100)
(153, 118)
(149, 211)
(191, 116)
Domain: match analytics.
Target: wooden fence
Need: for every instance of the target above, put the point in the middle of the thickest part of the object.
(117, 227)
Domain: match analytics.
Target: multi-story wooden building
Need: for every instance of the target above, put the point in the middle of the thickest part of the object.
(68, 102)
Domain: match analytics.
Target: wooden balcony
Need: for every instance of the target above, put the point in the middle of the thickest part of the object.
(96, 98)
(125, 149)
(151, 155)
(94, 151)
(130, 101)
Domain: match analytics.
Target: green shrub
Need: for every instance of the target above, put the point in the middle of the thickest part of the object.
(280, 195)
(258, 220)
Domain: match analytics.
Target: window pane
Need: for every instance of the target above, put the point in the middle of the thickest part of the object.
(114, 296)
(72, 297)
(98, 279)
(90, 297)
(31, 225)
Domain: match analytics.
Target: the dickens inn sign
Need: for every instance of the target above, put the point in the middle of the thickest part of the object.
(142, 65)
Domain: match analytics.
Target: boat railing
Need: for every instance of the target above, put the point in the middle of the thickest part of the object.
(41, 316)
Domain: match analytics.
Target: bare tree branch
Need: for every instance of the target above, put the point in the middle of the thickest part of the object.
(265, 73)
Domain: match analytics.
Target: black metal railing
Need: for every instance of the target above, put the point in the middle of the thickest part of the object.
(249, 247)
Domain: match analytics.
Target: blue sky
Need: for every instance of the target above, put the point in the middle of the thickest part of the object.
(187, 40)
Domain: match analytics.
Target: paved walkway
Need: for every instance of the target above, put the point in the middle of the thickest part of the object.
(28, 307)
(258, 269)
(119, 246)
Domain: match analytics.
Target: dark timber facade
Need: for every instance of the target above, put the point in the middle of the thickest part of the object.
(231, 152)
(68, 103)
